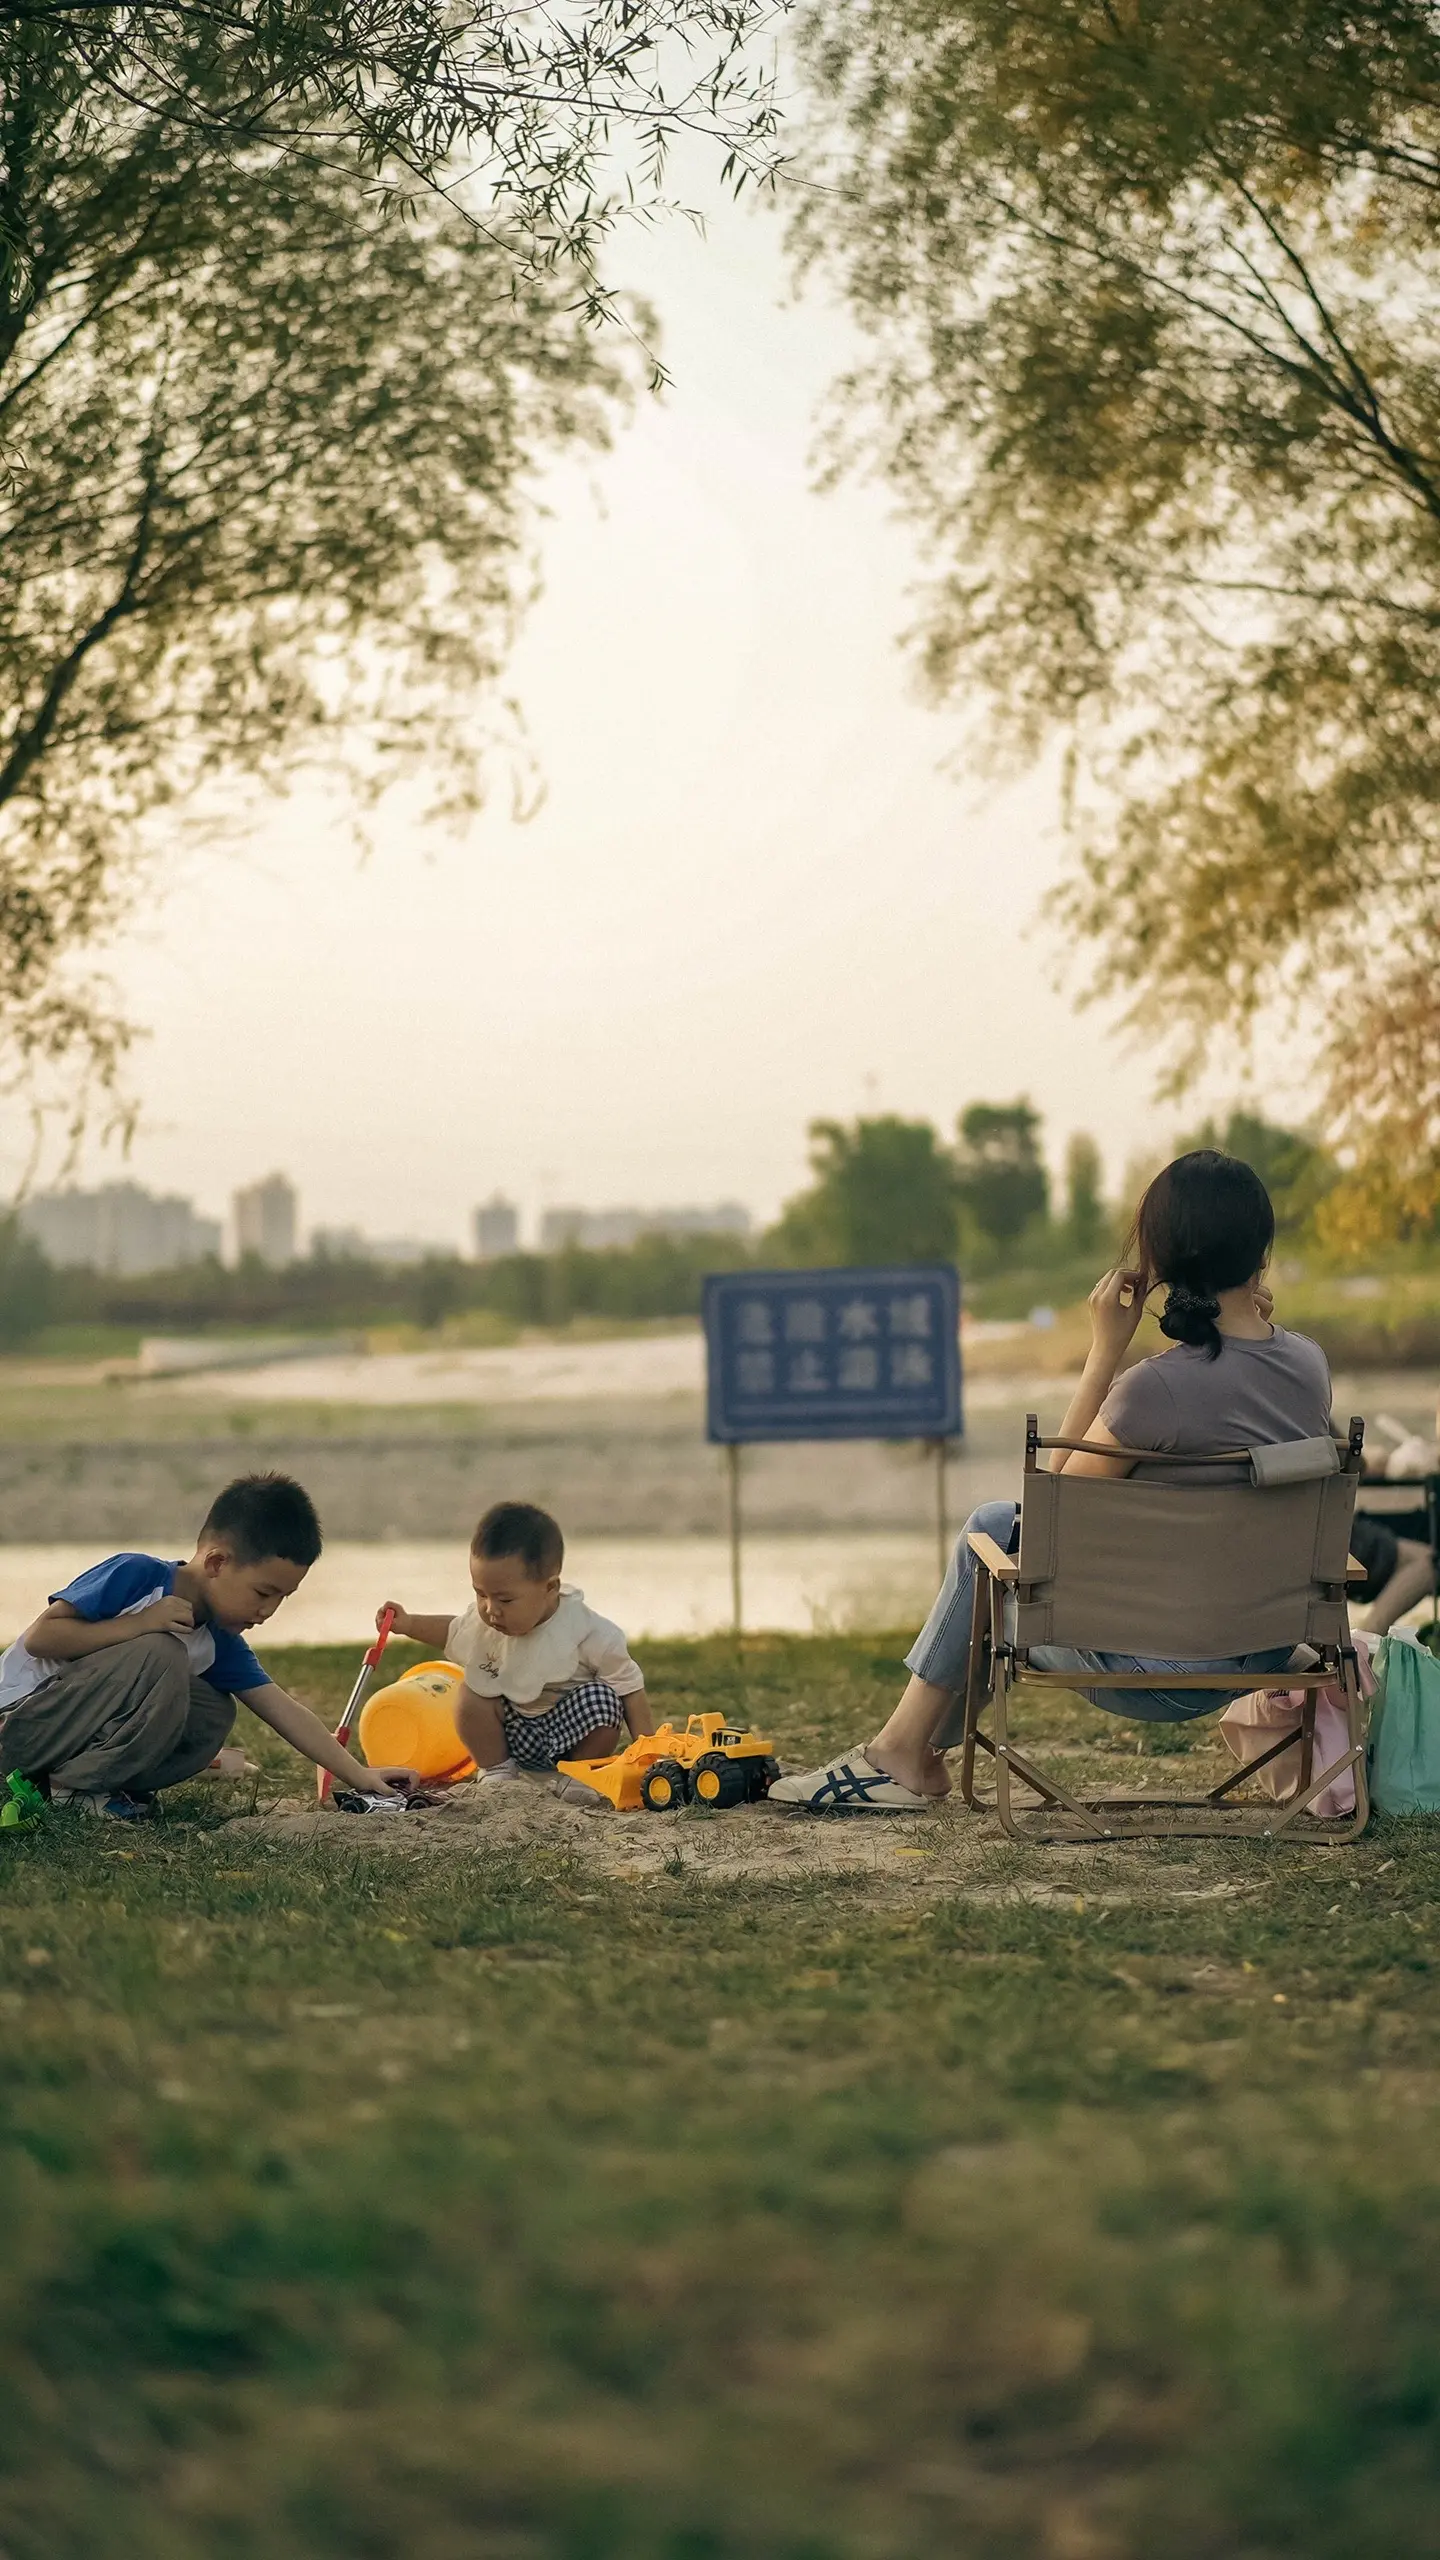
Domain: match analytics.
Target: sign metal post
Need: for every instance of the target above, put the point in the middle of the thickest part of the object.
(732, 1454)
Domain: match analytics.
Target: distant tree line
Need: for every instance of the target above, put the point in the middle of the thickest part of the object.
(656, 1276)
(888, 1189)
(883, 1189)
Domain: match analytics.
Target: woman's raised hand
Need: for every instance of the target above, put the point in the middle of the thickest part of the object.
(1117, 1304)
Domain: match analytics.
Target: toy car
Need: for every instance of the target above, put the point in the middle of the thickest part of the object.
(711, 1763)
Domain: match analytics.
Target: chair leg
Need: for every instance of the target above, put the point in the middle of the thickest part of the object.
(1356, 1725)
(1108, 1818)
(981, 1658)
(989, 1682)
(1001, 1692)
(1307, 1742)
(1352, 1758)
(1247, 1768)
(1011, 1763)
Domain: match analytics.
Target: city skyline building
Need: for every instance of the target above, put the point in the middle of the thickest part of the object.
(267, 1218)
(597, 1229)
(495, 1227)
(351, 1244)
(120, 1229)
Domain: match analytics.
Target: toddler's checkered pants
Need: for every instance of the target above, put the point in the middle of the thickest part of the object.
(537, 1742)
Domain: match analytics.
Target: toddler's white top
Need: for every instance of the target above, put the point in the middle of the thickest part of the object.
(533, 1671)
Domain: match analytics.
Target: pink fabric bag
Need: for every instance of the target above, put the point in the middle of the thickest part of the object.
(1251, 1723)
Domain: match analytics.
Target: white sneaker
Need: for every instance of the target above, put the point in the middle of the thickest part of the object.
(502, 1771)
(103, 1807)
(848, 1784)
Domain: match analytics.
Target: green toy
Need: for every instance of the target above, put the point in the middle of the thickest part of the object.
(23, 1804)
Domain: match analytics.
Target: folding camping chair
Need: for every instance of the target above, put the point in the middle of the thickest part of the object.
(1167, 1572)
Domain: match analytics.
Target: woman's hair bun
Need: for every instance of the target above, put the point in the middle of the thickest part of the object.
(1204, 1226)
(1192, 1315)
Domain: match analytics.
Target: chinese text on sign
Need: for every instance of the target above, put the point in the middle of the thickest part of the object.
(834, 1355)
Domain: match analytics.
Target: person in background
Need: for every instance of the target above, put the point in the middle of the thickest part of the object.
(1394, 1545)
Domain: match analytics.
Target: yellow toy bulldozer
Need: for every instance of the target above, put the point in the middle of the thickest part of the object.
(711, 1763)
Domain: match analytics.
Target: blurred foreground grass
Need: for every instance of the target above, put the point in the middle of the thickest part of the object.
(499, 2205)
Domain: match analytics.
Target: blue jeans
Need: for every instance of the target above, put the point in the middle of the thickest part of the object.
(941, 1651)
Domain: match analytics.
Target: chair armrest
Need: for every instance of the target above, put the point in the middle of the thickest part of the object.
(999, 1566)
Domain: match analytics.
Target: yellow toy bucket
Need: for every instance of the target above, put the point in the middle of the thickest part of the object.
(411, 1725)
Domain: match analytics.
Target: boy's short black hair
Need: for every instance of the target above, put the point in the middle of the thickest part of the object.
(260, 1516)
(521, 1529)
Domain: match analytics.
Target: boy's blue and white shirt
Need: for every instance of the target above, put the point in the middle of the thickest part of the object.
(116, 1589)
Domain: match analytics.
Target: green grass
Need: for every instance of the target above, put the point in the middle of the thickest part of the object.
(83, 1342)
(502, 2205)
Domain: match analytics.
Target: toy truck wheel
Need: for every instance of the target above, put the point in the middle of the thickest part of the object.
(717, 1781)
(665, 1787)
(762, 1774)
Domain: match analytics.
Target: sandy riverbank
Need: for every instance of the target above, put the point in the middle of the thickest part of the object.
(410, 1446)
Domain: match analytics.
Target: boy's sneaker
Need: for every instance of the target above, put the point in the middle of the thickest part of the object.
(502, 1771)
(101, 1807)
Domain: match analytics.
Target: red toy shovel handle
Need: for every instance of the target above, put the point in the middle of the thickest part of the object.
(324, 1778)
(382, 1638)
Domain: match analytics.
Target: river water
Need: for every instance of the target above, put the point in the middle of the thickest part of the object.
(652, 1586)
(615, 1446)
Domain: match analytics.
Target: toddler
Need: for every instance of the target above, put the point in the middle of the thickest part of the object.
(546, 1678)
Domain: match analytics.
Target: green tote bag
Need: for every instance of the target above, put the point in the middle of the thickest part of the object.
(1404, 1749)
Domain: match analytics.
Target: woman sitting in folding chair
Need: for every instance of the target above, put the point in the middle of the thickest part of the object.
(1232, 1380)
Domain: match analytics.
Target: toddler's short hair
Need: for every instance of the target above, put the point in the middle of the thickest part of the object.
(260, 1516)
(521, 1529)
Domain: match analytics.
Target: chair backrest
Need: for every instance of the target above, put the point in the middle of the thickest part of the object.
(1185, 1573)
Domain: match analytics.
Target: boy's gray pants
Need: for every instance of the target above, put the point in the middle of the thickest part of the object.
(132, 1717)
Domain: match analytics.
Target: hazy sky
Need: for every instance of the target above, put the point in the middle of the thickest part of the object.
(752, 896)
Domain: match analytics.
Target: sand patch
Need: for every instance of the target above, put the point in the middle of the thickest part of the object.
(901, 1855)
(662, 1364)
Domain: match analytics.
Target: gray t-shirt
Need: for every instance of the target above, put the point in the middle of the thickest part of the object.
(1255, 1394)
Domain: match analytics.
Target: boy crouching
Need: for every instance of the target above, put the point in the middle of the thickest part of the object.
(127, 1680)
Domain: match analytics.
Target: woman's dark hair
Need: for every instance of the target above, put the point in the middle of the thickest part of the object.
(1205, 1224)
